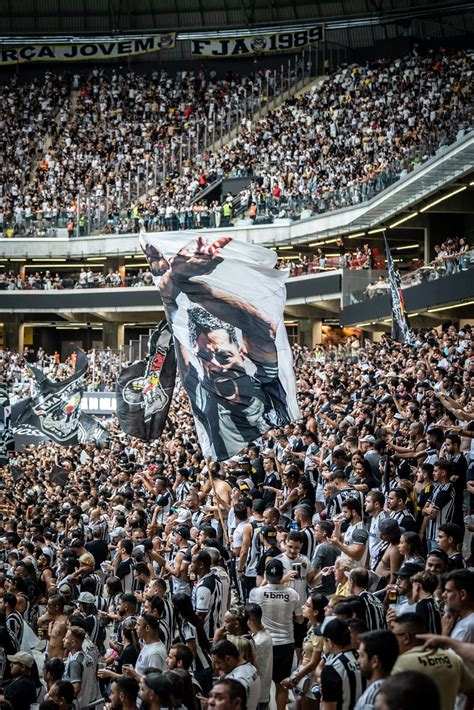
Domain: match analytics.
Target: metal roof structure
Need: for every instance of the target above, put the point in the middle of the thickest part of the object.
(357, 22)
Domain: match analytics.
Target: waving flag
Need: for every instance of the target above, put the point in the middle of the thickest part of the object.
(401, 331)
(54, 413)
(144, 389)
(7, 441)
(224, 301)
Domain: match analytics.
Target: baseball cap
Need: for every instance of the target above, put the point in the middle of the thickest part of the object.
(183, 531)
(368, 438)
(118, 531)
(26, 659)
(389, 525)
(338, 632)
(66, 590)
(243, 459)
(274, 569)
(160, 684)
(408, 569)
(269, 533)
(183, 516)
(86, 598)
(87, 559)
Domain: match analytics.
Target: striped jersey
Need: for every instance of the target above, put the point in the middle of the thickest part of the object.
(309, 543)
(341, 680)
(167, 622)
(16, 626)
(374, 611)
(335, 504)
(255, 547)
(187, 632)
(441, 498)
(428, 609)
(369, 696)
(207, 598)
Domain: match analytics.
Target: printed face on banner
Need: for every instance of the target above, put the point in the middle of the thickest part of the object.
(224, 301)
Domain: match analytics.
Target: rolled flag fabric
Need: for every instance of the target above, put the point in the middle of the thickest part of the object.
(59, 476)
(144, 389)
(401, 331)
(7, 440)
(224, 300)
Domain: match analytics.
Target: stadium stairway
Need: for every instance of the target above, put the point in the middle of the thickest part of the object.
(298, 89)
(48, 139)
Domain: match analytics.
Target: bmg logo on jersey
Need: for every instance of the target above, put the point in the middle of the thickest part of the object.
(277, 595)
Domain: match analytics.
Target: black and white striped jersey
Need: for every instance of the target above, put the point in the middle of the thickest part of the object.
(341, 680)
(309, 543)
(182, 491)
(255, 548)
(207, 598)
(167, 622)
(428, 609)
(374, 612)
(369, 696)
(16, 626)
(441, 498)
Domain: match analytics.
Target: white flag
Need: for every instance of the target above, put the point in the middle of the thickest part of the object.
(224, 300)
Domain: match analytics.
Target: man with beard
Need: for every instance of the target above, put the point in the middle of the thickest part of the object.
(123, 693)
(378, 652)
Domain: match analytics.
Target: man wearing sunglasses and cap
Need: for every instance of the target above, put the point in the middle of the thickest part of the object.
(21, 691)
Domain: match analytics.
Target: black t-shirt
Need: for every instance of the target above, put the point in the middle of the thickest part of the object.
(99, 550)
(129, 655)
(267, 555)
(21, 692)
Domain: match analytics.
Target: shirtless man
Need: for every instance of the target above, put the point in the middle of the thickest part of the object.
(57, 623)
(390, 560)
(220, 495)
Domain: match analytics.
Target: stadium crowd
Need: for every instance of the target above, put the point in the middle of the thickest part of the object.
(331, 558)
(96, 135)
(110, 139)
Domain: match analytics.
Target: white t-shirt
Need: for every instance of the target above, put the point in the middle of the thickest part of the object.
(248, 676)
(302, 565)
(464, 631)
(152, 655)
(279, 604)
(264, 659)
(375, 543)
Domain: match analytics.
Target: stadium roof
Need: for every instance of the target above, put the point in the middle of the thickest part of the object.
(63, 17)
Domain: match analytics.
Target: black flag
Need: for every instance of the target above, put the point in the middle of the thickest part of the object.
(7, 440)
(17, 473)
(145, 388)
(59, 476)
(55, 412)
(401, 331)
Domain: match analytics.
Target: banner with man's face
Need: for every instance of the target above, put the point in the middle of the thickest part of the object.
(224, 300)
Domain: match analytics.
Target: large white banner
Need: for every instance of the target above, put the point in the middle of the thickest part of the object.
(224, 300)
(75, 52)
